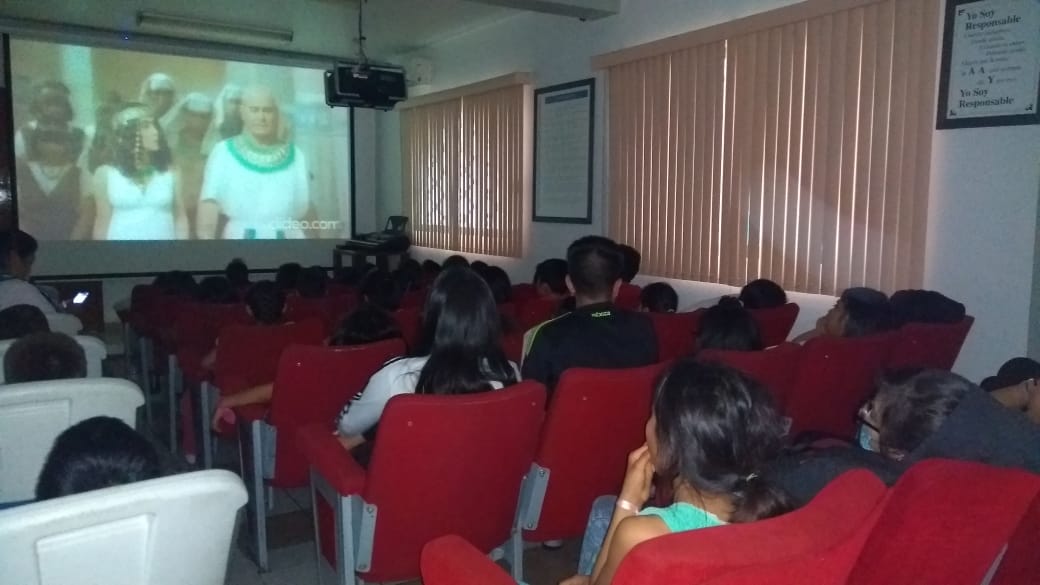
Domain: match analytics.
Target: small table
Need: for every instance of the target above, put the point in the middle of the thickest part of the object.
(361, 256)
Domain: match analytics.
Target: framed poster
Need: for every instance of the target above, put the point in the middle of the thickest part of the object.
(990, 74)
(563, 137)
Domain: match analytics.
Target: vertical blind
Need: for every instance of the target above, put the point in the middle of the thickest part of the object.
(798, 151)
(463, 172)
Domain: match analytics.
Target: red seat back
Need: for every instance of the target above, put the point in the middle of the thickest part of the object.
(414, 299)
(449, 465)
(676, 333)
(142, 299)
(629, 297)
(247, 355)
(299, 308)
(536, 311)
(816, 544)
(595, 419)
(1021, 563)
(946, 522)
(835, 377)
(524, 292)
(929, 345)
(775, 324)
(774, 368)
(311, 386)
(409, 321)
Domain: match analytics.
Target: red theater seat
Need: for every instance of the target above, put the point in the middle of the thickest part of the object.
(774, 368)
(775, 324)
(440, 465)
(929, 345)
(629, 297)
(536, 311)
(409, 321)
(676, 333)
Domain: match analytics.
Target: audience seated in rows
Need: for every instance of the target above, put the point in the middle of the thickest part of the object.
(922, 414)
(367, 324)
(596, 334)
(96, 453)
(176, 283)
(265, 303)
(44, 356)
(710, 433)
(237, 273)
(455, 261)
(217, 290)
(658, 297)
(287, 276)
(550, 279)
(380, 289)
(458, 353)
(858, 312)
(21, 320)
(312, 282)
(729, 326)
(17, 254)
(762, 293)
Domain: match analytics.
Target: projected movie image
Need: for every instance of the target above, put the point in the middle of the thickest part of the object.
(120, 145)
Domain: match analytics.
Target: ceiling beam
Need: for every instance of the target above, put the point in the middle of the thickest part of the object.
(583, 9)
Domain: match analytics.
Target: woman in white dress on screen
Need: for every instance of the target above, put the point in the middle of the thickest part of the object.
(138, 194)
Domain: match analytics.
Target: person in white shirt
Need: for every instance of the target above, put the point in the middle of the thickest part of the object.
(17, 253)
(258, 179)
(459, 353)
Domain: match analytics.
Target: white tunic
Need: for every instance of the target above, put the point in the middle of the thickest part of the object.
(259, 205)
(140, 212)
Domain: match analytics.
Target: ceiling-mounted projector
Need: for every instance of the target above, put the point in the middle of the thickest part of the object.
(362, 85)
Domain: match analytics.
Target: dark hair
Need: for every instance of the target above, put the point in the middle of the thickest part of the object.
(716, 429)
(237, 273)
(51, 90)
(631, 260)
(347, 275)
(366, 324)
(44, 356)
(659, 297)
(312, 282)
(479, 266)
(867, 312)
(380, 289)
(266, 301)
(288, 275)
(24, 244)
(124, 145)
(924, 306)
(594, 264)
(176, 283)
(728, 326)
(96, 453)
(460, 334)
(6, 249)
(408, 275)
(911, 405)
(762, 294)
(217, 290)
(499, 283)
(21, 320)
(431, 268)
(455, 261)
(48, 133)
(102, 146)
(552, 272)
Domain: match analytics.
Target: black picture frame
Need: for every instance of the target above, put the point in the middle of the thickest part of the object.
(590, 85)
(943, 120)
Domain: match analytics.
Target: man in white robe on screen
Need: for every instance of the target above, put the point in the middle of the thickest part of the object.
(258, 180)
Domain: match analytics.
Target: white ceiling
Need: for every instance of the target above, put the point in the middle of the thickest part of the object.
(326, 27)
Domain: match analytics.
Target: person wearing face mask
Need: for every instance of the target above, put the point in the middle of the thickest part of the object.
(922, 414)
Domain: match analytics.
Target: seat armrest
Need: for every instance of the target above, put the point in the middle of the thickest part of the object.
(329, 459)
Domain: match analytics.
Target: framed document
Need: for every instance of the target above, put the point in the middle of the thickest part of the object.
(990, 73)
(563, 136)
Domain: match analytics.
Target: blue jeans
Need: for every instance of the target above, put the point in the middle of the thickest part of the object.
(595, 532)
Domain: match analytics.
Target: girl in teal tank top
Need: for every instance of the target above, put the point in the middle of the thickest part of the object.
(710, 432)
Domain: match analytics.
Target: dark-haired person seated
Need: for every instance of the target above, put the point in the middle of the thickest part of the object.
(658, 297)
(455, 261)
(21, 320)
(265, 303)
(1017, 386)
(96, 453)
(237, 272)
(631, 261)
(382, 290)
(921, 414)
(430, 270)
(596, 334)
(366, 324)
(550, 279)
(44, 356)
(924, 306)
(459, 353)
(729, 326)
(287, 276)
(762, 294)
(17, 253)
(711, 431)
(312, 282)
(858, 312)
(217, 290)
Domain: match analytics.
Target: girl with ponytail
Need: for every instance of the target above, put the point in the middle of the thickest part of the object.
(710, 432)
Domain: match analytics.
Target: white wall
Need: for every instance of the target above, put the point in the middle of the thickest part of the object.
(983, 210)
